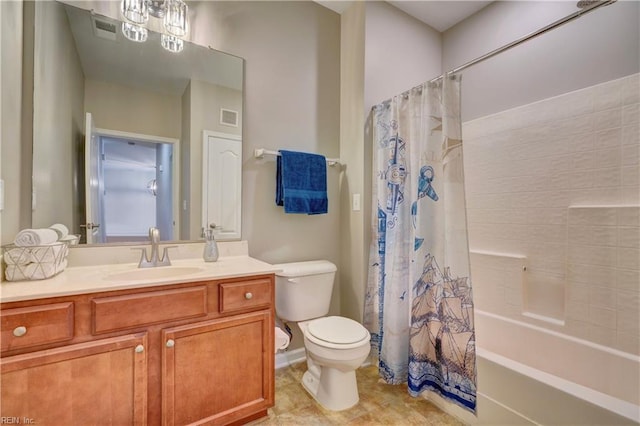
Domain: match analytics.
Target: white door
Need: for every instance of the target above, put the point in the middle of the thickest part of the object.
(92, 181)
(222, 184)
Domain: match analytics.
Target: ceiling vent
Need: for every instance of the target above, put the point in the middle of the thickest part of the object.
(104, 29)
(228, 117)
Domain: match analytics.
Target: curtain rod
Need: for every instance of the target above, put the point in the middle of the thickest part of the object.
(553, 25)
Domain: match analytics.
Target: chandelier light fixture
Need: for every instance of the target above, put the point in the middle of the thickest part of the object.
(173, 14)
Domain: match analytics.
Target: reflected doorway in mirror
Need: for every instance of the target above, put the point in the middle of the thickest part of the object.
(119, 167)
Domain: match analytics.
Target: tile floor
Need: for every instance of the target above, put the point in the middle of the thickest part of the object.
(380, 404)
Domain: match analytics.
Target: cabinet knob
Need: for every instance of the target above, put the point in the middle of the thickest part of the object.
(139, 349)
(170, 343)
(248, 295)
(20, 331)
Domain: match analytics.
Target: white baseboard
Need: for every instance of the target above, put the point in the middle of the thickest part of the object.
(285, 359)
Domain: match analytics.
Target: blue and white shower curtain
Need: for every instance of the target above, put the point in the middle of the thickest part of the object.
(418, 303)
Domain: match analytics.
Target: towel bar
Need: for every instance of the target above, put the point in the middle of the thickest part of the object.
(261, 152)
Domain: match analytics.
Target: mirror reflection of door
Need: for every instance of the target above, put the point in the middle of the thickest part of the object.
(129, 180)
(93, 178)
(221, 204)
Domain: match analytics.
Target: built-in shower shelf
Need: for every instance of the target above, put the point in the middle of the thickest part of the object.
(498, 254)
(500, 279)
(544, 318)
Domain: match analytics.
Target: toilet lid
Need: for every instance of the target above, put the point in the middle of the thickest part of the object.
(337, 330)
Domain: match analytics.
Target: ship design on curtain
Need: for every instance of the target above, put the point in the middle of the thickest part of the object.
(418, 303)
(442, 315)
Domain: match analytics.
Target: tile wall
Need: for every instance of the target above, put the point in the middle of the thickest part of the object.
(555, 186)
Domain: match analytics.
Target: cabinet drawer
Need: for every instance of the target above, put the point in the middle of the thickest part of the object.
(36, 325)
(122, 312)
(245, 295)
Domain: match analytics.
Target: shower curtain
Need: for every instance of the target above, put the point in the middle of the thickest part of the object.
(418, 303)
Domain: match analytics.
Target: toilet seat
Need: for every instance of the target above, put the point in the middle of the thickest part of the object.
(337, 332)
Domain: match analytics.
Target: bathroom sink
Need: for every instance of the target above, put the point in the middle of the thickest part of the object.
(153, 273)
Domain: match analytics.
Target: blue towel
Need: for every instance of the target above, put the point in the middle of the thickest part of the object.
(301, 182)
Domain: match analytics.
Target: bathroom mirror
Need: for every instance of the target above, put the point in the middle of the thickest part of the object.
(121, 130)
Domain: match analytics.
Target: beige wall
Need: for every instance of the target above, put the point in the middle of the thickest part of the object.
(207, 101)
(59, 114)
(400, 52)
(144, 112)
(185, 159)
(352, 152)
(11, 150)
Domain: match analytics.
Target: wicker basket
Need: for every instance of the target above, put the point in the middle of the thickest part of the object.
(34, 262)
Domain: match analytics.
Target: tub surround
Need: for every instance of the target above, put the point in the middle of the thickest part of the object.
(557, 181)
(533, 376)
(600, 375)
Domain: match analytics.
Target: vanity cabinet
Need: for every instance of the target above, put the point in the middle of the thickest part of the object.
(197, 352)
(86, 383)
(36, 325)
(236, 344)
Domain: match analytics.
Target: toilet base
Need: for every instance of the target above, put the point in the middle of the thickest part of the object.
(333, 389)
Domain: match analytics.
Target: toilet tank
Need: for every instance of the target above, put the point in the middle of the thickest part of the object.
(303, 289)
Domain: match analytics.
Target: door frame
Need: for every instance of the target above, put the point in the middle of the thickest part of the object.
(175, 185)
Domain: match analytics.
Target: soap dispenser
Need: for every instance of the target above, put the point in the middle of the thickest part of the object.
(210, 246)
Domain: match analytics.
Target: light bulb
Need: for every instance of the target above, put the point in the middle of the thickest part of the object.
(175, 18)
(135, 11)
(171, 43)
(134, 32)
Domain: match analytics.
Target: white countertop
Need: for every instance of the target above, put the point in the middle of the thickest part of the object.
(98, 278)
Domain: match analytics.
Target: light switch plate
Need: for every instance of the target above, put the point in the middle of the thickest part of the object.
(1, 194)
(355, 204)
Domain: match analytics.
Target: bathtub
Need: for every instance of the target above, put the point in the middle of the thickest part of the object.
(531, 375)
(528, 375)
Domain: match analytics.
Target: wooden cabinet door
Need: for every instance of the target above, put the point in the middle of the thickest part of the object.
(219, 371)
(103, 382)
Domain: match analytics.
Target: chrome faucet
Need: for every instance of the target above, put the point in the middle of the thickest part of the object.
(155, 260)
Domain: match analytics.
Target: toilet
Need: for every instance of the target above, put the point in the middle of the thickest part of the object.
(335, 346)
